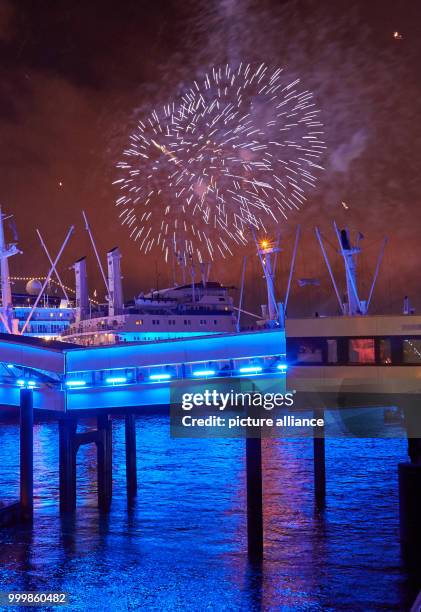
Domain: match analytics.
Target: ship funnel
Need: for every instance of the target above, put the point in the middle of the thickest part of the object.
(81, 281)
(115, 304)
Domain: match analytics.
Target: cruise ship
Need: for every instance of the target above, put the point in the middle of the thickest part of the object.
(191, 309)
(194, 309)
(30, 311)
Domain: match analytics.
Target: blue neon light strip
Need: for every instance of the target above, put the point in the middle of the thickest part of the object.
(250, 369)
(23, 383)
(159, 376)
(204, 373)
(75, 383)
(115, 380)
(282, 366)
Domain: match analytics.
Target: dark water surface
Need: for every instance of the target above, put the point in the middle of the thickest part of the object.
(182, 545)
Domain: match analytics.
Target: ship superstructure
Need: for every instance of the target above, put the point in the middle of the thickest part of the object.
(192, 309)
(27, 311)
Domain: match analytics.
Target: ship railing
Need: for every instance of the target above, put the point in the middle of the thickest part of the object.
(153, 374)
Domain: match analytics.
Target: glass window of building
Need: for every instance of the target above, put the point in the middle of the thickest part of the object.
(412, 350)
(305, 350)
(361, 350)
(332, 350)
(385, 351)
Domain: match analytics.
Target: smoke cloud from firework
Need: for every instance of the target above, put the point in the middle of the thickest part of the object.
(234, 156)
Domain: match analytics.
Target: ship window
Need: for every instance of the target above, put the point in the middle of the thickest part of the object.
(214, 322)
(332, 350)
(361, 350)
(305, 350)
(385, 351)
(412, 350)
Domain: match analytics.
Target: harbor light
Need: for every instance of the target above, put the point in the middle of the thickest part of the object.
(75, 383)
(115, 380)
(159, 376)
(250, 370)
(204, 373)
(23, 383)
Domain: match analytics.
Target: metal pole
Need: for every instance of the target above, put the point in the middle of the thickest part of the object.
(376, 273)
(332, 278)
(88, 229)
(265, 263)
(254, 498)
(47, 279)
(5, 323)
(319, 462)
(348, 271)
(131, 469)
(104, 462)
(291, 268)
(67, 464)
(44, 246)
(240, 305)
(26, 454)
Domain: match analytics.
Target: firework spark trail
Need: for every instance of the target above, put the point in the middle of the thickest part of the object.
(237, 152)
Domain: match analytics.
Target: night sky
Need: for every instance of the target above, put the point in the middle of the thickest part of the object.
(76, 76)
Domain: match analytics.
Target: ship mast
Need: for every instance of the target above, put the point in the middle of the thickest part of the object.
(353, 305)
(6, 251)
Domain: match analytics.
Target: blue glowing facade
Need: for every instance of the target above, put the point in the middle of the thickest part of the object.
(66, 377)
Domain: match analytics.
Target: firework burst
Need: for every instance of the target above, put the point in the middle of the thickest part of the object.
(235, 154)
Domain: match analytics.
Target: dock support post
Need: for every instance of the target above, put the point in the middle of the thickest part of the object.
(410, 512)
(104, 461)
(319, 462)
(67, 464)
(254, 498)
(131, 469)
(26, 455)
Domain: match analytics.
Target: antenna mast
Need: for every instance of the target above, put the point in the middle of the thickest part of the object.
(6, 251)
(265, 250)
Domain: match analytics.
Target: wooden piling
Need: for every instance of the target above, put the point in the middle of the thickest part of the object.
(104, 461)
(319, 456)
(26, 455)
(131, 468)
(254, 498)
(67, 463)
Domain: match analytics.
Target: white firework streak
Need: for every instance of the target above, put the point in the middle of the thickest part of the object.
(238, 151)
